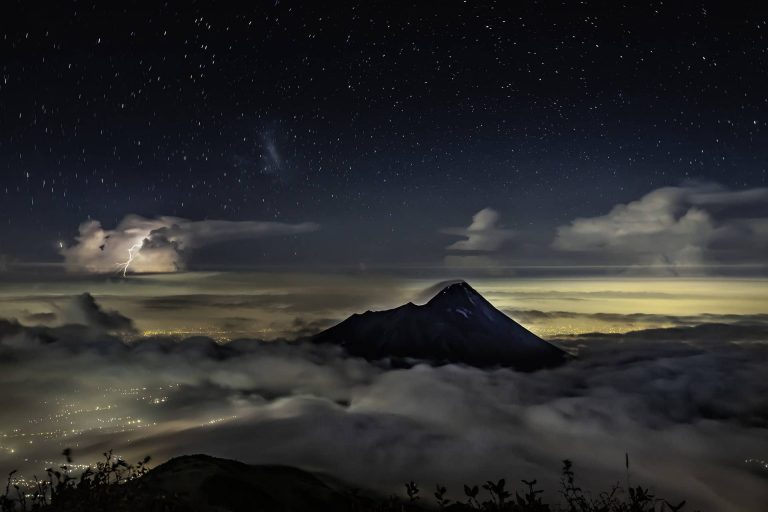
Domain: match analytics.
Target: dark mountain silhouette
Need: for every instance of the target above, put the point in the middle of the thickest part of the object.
(205, 483)
(456, 326)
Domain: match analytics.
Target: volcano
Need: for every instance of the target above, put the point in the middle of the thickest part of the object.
(458, 325)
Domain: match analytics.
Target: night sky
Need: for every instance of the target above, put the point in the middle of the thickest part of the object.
(384, 123)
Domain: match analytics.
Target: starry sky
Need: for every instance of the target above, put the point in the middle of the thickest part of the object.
(387, 125)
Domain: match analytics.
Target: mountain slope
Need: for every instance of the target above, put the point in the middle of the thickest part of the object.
(202, 483)
(456, 326)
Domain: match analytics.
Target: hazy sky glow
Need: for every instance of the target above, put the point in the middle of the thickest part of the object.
(273, 305)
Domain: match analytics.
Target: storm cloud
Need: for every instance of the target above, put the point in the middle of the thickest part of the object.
(138, 244)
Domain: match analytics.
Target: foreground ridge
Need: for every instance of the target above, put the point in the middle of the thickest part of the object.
(201, 483)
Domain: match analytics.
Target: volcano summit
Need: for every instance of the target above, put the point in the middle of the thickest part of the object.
(458, 325)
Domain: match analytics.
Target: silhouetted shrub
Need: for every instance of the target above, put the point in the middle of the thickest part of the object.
(96, 488)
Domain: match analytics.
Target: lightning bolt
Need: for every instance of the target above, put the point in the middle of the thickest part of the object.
(132, 252)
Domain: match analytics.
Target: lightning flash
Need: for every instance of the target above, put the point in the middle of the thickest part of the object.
(132, 252)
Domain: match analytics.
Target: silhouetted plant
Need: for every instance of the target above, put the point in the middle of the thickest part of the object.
(471, 493)
(97, 488)
(531, 500)
(442, 501)
(497, 493)
(412, 490)
(8, 503)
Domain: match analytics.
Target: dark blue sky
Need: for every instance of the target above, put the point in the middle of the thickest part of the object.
(383, 122)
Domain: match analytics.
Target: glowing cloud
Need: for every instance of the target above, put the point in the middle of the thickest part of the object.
(675, 227)
(140, 245)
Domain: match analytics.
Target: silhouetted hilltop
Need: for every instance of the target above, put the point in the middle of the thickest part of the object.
(206, 483)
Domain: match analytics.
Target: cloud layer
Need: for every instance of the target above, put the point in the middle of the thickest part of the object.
(675, 227)
(161, 244)
(689, 405)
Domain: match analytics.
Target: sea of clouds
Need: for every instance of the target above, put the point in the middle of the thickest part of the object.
(688, 404)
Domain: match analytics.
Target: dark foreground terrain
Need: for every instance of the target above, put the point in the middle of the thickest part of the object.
(200, 483)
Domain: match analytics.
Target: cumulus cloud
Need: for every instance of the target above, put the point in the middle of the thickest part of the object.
(160, 244)
(483, 234)
(687, 404)
(676, 227)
